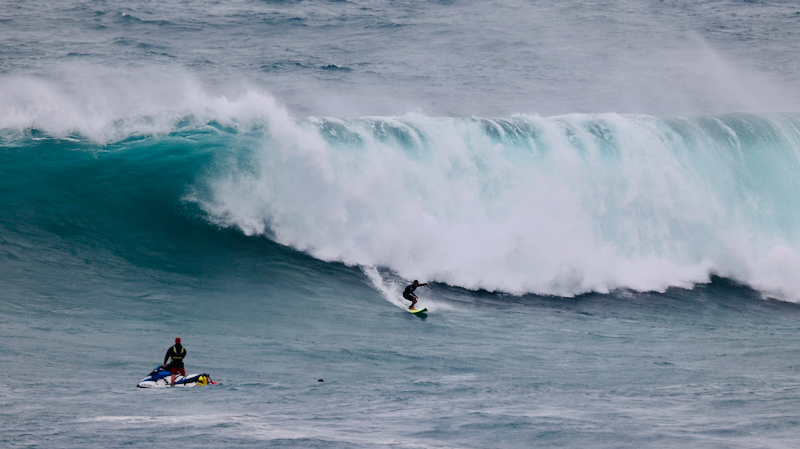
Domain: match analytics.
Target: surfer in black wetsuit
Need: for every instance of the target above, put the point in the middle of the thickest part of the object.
(408, 293)
(178, 353)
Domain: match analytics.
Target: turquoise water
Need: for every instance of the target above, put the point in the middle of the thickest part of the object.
(610, 235)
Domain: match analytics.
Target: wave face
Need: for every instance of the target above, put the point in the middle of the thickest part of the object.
(557, 206)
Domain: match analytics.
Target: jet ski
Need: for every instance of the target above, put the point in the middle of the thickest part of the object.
(160, 377)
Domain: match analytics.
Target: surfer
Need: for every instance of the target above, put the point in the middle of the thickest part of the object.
(178, 353)
(408, 293)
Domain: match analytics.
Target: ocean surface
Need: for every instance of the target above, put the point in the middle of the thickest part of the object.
(604, 196)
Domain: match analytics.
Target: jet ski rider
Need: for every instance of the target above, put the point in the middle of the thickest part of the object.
(178, 353)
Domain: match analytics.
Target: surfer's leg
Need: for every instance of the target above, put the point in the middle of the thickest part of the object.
(172, 382)
(413, 303)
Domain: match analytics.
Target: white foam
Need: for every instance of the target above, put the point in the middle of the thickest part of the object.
(592, 203)
(273, 427)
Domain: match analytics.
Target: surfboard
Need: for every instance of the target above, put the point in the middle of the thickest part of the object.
(417, 310)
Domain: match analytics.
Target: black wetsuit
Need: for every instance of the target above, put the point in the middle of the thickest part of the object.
(408, 293)
(177, 353)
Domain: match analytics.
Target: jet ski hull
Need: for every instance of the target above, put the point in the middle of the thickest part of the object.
(161, 377)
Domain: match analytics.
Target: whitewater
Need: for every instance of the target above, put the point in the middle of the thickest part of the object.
(602, 196)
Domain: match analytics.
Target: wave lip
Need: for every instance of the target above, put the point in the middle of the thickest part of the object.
(106, 107)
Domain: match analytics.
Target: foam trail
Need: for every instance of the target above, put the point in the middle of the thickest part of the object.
(391, 287)
(560, 205)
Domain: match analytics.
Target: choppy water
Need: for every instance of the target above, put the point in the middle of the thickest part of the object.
(603, 195)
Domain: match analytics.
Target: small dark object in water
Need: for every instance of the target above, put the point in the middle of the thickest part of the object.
(320, 380)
